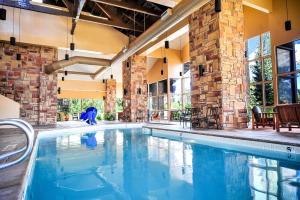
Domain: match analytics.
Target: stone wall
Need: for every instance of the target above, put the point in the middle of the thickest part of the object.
(24, 81)
(216, 42)
(134, 77)
(110, 98)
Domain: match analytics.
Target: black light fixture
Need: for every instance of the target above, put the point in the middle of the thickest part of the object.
(165, 60)
(201, 70)
(66, 73)
(72, 46)
(103, 80)
(62, 78)
(218, 5)
(67, 57)
(139, 91)
(127, 63)
(12, 41)
(111, 76)
(2, 14)
(125, 92)
(162, 72)
(287, 23)
(58, 90)
(180, 73)
(167, 44)
(18, 56)
(104, 98)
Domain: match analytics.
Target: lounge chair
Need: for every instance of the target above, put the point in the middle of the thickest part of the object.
(89, 116)
(288, 116)
(263, 119)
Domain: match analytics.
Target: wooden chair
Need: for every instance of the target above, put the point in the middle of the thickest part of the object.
(140, 116)
(195, 118)
(263, 119)
(288, 116)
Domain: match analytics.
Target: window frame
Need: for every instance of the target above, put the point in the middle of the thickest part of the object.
(261, 60)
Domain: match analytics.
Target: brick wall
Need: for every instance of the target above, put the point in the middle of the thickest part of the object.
(24, 81)
(216, 42)
(110, 99)
(134, 77)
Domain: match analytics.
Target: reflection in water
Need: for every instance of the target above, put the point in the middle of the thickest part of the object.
(125, 164)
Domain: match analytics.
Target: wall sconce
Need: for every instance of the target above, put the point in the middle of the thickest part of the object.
(103, 80)
(18, 56)
(161, 72)
(111, 76)
(127, 64)
(180, 73)
(201, 70)
(62, 78)
(125, 92)
(104, 98)
(58, 90)
(288, 25)
(66, 73)
(139, 91)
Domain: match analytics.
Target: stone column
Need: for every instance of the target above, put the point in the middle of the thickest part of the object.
(217, 43)
(134, 77)
(110, 98)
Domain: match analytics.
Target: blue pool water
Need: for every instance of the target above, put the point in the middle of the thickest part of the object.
(126, 164)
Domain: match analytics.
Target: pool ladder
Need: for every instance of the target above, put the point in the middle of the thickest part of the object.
(29, 133)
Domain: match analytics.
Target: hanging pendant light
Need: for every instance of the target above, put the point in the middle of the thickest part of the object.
(165, 60)
(58, 90)
(19, 54)
(62, 78)
(66, 73)
(2, 14)
(104, 98)
(180, 73)
(12, 39)
(67, 57)
(287, 23)
(125, 92)
(218, 6)
(162, 72)
(127, 63)
(167, 44)
(111, 74)
(72, 44)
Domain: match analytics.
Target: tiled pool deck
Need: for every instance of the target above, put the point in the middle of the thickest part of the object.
(11, 178)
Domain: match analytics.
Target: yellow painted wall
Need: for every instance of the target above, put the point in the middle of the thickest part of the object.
(256, 22)
(171, 69)
(154, 74)
(51, 30)
(185, 53)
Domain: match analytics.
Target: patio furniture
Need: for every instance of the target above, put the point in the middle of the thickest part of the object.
(185, 117)
(288, 116)
(212, 117)
(155, 115)
(195, 118)
(139, 116)
(263, 119)
(75, 116)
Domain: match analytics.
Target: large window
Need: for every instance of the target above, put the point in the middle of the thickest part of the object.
(288, 67)
(259, 64)
(186, 89)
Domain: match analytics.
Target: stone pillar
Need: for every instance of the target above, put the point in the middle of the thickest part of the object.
(134, 77)
(110, 98)
(217, 43)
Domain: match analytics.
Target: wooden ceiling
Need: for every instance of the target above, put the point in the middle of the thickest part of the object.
(131, 17)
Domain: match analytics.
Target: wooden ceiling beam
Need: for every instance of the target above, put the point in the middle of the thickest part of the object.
(128, 6)
(107, 13)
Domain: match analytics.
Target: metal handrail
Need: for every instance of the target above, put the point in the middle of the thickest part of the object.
(29, 133)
